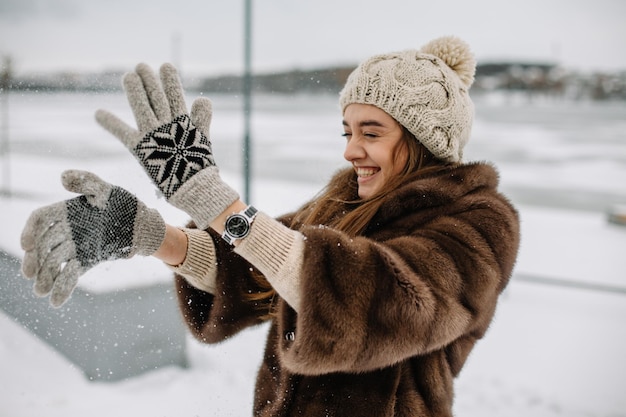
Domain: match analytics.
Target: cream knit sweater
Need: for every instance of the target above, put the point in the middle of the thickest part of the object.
(274, 249)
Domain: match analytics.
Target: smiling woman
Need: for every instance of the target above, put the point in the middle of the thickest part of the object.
(375, 291)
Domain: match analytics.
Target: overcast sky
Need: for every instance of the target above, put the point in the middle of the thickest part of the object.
(207, 35)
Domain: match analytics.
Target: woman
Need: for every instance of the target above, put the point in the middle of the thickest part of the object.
(376, 290)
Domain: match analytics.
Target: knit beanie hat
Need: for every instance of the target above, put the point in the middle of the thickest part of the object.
(425, 90)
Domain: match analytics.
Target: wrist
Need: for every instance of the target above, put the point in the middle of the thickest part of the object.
(173, 249)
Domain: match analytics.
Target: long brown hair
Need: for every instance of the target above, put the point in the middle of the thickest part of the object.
(339, 206)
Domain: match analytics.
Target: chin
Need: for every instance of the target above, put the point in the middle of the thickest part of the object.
(370, 188)
(364, 194)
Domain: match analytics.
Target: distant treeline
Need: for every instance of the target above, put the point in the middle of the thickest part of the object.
(327, 80)
(533, 78)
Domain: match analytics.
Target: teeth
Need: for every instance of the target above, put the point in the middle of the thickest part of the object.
(365, 172)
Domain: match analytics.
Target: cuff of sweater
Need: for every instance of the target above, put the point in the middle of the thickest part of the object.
(199, 267)
(277, 252)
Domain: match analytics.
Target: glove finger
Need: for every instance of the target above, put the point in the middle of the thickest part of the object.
(120, 129)
(38, 224)
(55, 261)
(30, 264)
(155, 93)
(35, 226)
(202, 114)
(173, 90)
(49, 270)
(56, 234)
(65, 283)
(93, 187)
(139, 103)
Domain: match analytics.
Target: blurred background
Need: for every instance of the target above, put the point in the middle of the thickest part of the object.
(550, 97)
(206, 37)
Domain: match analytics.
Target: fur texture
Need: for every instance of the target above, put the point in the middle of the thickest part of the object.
(388, 319)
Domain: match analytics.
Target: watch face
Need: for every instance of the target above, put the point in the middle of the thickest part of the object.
(237, 226)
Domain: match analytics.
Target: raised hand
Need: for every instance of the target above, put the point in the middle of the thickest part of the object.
(64, 240)
(173, 146)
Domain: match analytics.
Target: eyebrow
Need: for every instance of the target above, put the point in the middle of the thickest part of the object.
(366, 123)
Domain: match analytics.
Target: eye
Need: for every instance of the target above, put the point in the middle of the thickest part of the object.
(346, 135)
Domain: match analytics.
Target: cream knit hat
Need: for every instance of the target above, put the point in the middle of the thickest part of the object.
(425, 90)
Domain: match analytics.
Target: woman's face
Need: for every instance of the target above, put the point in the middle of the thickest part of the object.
(374, 146)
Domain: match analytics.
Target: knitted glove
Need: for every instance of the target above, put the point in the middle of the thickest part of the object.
(64, 240)
(173, 146)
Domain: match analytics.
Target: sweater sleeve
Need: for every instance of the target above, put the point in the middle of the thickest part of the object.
(199, 267)
(277, 252)
(235, 301)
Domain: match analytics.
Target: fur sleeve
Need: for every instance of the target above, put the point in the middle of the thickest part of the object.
(371, 303)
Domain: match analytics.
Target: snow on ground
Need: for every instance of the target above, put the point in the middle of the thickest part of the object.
(551, 351)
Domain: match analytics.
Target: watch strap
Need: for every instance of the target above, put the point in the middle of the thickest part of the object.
(250, 212)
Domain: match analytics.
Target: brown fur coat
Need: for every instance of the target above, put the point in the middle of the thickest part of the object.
(388, 319)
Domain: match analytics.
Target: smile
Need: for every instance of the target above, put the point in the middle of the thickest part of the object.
(366, 172)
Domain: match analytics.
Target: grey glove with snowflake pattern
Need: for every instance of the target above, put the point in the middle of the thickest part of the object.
(172, 145)
(64, 240)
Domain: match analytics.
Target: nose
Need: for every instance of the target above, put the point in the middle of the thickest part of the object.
(353, 150)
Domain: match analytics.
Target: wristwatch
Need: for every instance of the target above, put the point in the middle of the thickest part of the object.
(238, 225)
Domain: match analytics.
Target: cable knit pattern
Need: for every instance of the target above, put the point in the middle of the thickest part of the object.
(277, 252)
(426, 91)
(200, 265)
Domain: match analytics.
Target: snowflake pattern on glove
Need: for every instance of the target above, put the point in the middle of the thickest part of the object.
(173, 153)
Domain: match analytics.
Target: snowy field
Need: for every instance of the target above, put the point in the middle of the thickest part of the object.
(551, 351)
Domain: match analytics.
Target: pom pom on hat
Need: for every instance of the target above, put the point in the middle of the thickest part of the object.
(456, 54)
(425, 90)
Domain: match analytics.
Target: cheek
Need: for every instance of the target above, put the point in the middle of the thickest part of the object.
(400, 161)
